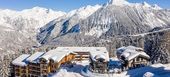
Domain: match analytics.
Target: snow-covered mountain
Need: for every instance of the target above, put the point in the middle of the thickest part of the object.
(125, 18)
(66, 24)
(117, 17)
(18, 27)
(110, 25)
(29, 18)
(87, 26)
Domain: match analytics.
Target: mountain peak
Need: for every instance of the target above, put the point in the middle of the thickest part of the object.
(118, 2)
(84, 12)
(146, 4)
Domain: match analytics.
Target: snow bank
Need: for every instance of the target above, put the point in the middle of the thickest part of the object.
(75, 71)
(81, 70)
(148, 74)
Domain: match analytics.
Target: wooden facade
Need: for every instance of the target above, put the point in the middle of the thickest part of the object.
(20, 71)
(99, 62)
(42, 64)
(41, 68)
(99, 66)
(132, 57)
(45, 67)
(34, 69)
(19, 67)
(82, 56)
(56, 65)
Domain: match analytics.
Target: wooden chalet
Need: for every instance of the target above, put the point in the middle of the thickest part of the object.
(52, 60)
(132, 57)
(20, 68)
(98, 56)
(40, 64)
(99, 59)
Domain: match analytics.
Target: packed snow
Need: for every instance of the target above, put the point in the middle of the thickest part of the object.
(81, 70)
(74, 71)
(149, 74)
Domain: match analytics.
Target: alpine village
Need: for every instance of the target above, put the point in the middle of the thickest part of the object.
(44, 63)
(114, 38)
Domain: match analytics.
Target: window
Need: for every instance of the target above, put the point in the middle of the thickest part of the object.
(138, 58)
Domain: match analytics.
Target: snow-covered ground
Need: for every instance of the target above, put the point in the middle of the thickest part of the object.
(75, 71)
(79, 70)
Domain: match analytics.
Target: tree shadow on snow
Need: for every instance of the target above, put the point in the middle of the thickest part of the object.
(157, 71)
(76, 68)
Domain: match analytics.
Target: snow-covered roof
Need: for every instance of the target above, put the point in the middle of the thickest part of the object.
(131, 52)
(80, 49)
(21, 60)
(99, 53)
(59, 55)
(94, 51)
(122, 49)
(56, 54)
(35, 57)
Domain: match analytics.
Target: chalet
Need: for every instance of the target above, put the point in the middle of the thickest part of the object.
(41, 63)
(20, 68)
(132, 57)
(53, 59)
(98, 56)
(34, 67)
(99, 59)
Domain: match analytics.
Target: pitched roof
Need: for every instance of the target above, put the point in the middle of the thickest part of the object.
(56, 54)
(131, 52)
(59, 55)
(21, 60)
(94, 51)
(35, 57)
(80, 49)
(99, 53)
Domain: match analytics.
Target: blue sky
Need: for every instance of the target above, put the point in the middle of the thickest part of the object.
(65, 5)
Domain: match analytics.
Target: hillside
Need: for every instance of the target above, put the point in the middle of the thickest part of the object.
(111, 25)
(19, 28)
